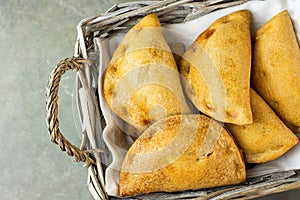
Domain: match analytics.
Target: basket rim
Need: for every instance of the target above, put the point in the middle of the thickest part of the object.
(122, 16)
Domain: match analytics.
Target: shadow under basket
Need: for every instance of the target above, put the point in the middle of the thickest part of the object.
(93, 150)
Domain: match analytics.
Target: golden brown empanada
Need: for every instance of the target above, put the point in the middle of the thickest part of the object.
(181, 152)
(216, 69)
(276, 68)
(267, 138)
(142, 84)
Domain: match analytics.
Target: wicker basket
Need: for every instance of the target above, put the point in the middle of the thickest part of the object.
(93, 150)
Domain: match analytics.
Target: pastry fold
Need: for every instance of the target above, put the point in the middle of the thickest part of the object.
(276, 68)
(216, 69)
(267, 138)
(142, 84)
(181, 152)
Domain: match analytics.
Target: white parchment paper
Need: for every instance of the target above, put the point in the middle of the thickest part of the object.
(118, 143)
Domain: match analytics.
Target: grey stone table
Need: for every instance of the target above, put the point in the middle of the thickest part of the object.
(34, 36)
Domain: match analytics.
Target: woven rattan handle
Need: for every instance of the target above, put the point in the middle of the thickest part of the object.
(52, 109)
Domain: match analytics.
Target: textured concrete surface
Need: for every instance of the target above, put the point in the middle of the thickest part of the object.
(34, 37)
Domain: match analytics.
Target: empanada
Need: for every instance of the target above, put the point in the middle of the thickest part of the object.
(267, 137)
(181, 152)
(142, 84)
(276, 68)
(216, 69)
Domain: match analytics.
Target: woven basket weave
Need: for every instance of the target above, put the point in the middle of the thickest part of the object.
(93, 150)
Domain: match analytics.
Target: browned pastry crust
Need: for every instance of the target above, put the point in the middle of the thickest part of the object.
(181, 152)
(276, 68)
(141, 84)
(267, 138)
(216, 69)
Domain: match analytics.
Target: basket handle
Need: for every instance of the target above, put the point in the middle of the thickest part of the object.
(52, 109)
